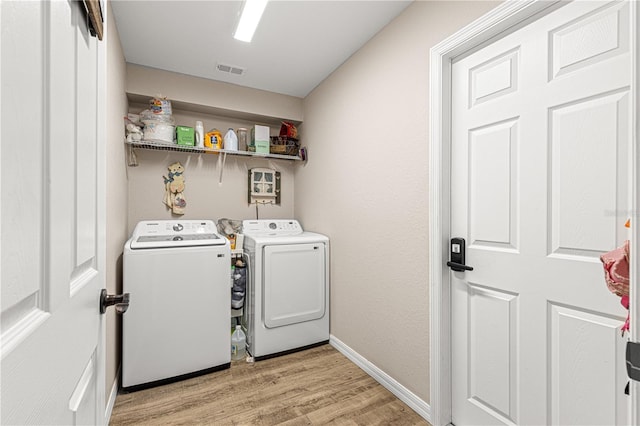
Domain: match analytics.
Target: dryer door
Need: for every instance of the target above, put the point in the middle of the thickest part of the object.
(294, 285)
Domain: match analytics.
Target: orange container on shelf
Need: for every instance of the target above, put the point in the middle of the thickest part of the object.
(213, 139)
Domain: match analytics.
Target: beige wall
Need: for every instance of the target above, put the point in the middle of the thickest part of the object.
(366, 186)
(216, 96)
(116, 191)
(206, 198)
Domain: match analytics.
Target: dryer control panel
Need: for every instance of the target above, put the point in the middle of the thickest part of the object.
(271, 227)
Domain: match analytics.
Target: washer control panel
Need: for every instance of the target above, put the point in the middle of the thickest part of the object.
(175, 233)
(174, 227)
(271, 227)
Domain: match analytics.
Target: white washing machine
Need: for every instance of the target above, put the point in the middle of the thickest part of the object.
(179, 318)
(287, 306)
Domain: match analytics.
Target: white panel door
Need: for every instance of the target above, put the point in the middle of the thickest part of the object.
(52, 217)
(294, 284)
(541, 141)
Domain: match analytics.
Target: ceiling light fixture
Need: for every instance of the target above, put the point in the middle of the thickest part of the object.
(251, 14)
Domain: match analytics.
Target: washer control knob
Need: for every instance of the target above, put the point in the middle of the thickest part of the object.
(273, 225)
(178, 227)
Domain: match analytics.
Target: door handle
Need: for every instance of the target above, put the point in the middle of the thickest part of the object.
(121, 301)
(633, 360)
(459, 267)
(457, 254)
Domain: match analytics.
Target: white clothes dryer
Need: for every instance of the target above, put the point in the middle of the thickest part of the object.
(287, 305)
(179, 318)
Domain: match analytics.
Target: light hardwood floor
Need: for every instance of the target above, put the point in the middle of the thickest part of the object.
(318, 386)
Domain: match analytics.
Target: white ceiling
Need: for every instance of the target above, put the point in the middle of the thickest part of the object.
(297, 44)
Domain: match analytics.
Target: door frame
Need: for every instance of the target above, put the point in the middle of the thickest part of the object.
(504, 19)
(105, 403)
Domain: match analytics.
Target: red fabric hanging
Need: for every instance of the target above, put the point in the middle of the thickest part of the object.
(616, 275)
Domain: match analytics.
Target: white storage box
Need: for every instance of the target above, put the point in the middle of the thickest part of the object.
(261, 139)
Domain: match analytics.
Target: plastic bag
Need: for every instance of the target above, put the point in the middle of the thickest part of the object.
(229, 227)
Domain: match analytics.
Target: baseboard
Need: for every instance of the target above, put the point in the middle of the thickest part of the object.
(112, 398)
(405, 395)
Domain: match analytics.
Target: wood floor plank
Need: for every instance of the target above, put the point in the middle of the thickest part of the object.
(314, 387)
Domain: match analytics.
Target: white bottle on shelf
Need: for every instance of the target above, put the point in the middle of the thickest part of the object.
(231, 140)
(199, 134)
(238, 344)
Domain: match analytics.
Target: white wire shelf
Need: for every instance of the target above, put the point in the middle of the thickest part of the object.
(159, 146)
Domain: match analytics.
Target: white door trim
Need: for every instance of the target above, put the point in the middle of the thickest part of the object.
(101, 213)
(635, 204)
(506, 18)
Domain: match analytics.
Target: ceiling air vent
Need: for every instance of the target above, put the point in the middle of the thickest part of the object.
(230, 69)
